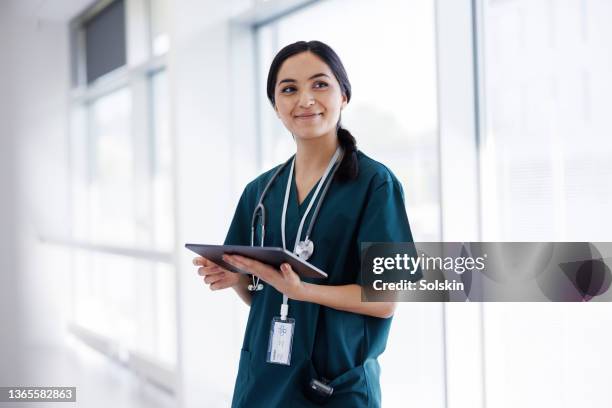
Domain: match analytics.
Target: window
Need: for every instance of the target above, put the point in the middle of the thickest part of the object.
(547, 68)
(547, 172)
(122, 182)
(111, 178)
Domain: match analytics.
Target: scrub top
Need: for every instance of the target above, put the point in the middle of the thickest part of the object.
(341, 347)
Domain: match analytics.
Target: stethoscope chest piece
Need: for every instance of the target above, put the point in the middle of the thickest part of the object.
(304, 249)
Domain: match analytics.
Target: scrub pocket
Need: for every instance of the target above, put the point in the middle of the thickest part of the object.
(309, 373)
(351, 388)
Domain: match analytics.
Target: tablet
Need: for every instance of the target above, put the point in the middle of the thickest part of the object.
(272, 256)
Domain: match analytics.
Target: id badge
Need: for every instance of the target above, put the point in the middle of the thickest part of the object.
(281, 339)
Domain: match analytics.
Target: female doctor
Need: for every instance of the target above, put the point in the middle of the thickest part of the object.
(322, 203)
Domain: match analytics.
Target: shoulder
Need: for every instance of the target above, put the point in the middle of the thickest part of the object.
(374, 173)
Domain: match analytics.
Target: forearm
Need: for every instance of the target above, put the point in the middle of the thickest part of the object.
(242, 289)
(346, 298)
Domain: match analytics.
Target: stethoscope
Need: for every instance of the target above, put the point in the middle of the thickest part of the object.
(303, 249)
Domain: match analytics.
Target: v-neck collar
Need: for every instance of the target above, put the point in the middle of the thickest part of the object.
(291, 204)
(301, 207)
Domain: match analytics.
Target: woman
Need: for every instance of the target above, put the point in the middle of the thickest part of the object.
(336, 337)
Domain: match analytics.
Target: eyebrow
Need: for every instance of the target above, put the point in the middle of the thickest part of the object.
(320, 74)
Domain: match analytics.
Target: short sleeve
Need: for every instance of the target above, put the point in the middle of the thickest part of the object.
(240, 229)
(384, 218)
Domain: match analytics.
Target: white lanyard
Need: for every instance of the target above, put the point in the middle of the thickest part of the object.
(285, 306)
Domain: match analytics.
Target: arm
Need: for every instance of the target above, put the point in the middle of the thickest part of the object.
(346, 298)
(343, 297)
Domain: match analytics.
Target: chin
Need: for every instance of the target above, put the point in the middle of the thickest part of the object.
(307, 134)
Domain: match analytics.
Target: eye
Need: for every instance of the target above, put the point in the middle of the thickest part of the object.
(287, 89)
(320, 84)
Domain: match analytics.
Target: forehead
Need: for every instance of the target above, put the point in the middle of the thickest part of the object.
(302, 66)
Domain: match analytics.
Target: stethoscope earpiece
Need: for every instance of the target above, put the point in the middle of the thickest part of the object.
(255, 288)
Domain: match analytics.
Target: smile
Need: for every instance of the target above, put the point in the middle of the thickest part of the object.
(310, 116)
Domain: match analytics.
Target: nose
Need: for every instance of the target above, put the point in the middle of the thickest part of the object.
(306, 99)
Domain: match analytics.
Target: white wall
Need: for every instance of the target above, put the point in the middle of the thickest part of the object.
(209, 125)
(41, 114)
(33, 147)
(9, 314)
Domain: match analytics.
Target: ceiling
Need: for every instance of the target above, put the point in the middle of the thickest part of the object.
(44, 10)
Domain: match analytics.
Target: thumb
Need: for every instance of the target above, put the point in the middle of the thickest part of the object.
(285, 270)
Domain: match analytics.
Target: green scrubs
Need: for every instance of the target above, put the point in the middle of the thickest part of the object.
(339, 346)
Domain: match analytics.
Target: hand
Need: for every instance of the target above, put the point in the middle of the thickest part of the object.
(214, 275)
(286, 281)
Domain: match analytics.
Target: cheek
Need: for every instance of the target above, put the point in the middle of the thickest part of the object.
(283, 111)
(333, 102)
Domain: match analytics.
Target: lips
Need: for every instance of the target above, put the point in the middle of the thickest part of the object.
(308, 115)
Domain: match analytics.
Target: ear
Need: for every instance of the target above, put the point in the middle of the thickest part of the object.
(344, 102)
(276, 110)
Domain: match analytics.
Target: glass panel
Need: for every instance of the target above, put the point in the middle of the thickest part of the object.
(392, 113)
(112, 170)
(129, 301)
(115, 298)
(165, 326)
(547, 70)
(163, 192)
(79, 173)
(163, 212)
(547, 175)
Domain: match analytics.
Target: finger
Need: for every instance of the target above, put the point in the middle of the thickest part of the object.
(221, 284)
(259, 269)
(286, 270)
(200, 260)
(214, 278)
(246, 262)
(209, 270)
(237, 261)
(288, 273)
(234, 261)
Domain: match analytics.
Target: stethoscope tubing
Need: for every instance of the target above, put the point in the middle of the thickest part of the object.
(260, 209)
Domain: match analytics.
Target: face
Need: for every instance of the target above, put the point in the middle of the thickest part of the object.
(308, 96)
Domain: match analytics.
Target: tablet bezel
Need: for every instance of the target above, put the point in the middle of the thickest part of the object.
(273, 256)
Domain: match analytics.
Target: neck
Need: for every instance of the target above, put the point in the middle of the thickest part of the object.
(313, 155)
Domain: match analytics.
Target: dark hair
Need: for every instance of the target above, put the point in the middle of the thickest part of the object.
(349, 167)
